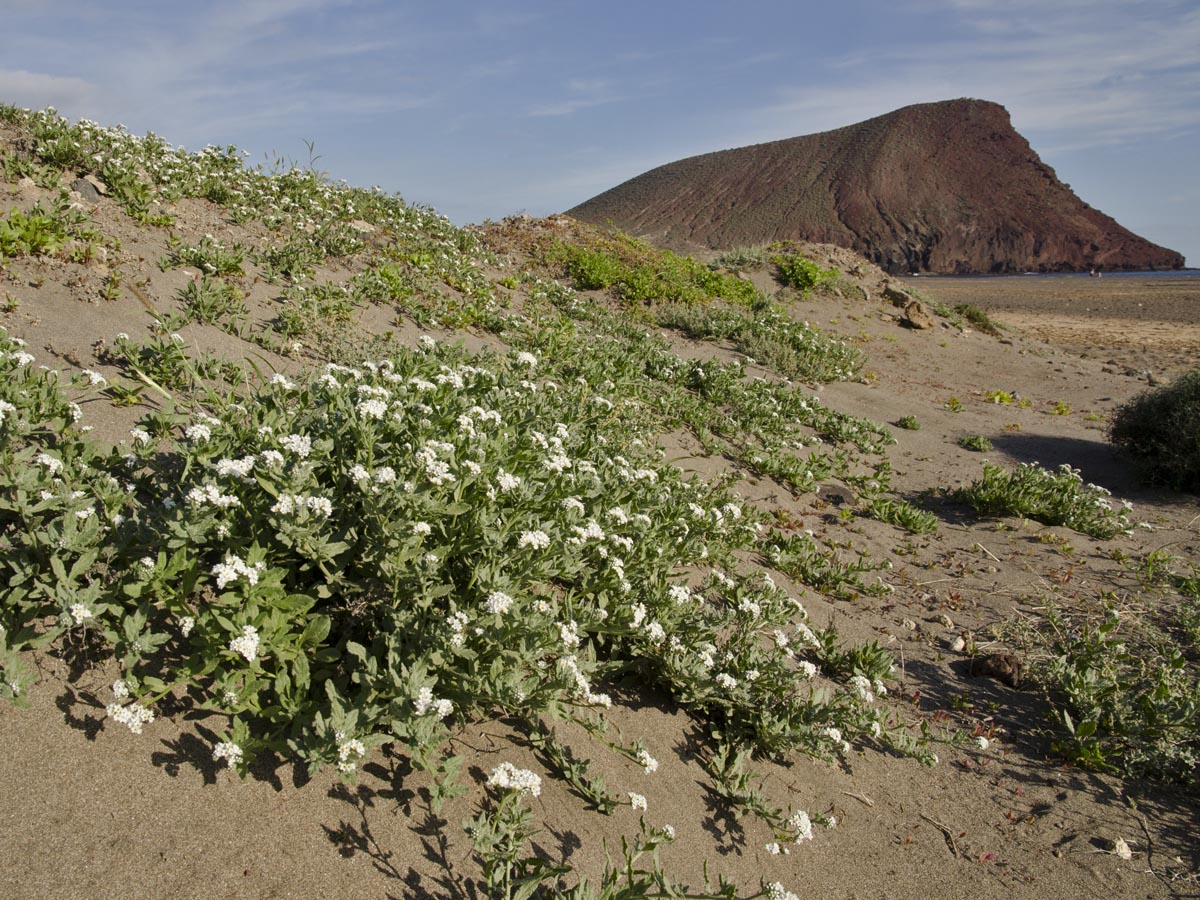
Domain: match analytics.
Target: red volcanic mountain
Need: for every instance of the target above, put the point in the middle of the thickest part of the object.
(937, 187)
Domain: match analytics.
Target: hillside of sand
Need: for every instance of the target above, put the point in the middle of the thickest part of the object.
(176, 297)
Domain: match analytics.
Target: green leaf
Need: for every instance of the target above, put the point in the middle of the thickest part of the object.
(315, 631)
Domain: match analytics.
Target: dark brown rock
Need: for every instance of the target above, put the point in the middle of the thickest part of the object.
(1003, 667)
(937, 187)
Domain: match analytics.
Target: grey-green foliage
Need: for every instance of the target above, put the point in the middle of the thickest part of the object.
(1160, 431)
(1053, 498)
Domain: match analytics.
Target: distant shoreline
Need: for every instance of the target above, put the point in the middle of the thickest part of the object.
(1141, 321)
(1115, 273)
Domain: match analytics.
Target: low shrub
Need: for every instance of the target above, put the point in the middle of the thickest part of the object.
(1053, 498)
(976, 442)
(802, 274)
(1160, 430)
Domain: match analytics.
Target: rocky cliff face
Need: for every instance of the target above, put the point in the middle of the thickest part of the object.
(937, 187)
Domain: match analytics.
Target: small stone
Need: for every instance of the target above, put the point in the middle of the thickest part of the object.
(958, 643)
(916, 316)
(86, 190)
(95, 182)
(837, 494)
(909, 624)
(1121, 849)
(946, 621)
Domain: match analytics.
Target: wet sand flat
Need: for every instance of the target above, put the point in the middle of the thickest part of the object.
(1147, 323)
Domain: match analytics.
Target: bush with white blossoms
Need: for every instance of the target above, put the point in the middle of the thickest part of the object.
(318, 597)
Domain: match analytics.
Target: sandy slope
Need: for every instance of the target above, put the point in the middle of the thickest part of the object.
(89, 810)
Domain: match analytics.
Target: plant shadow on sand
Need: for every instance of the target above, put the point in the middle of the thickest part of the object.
(1097, 461)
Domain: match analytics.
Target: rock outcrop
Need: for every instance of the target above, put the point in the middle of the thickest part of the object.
(937, 187)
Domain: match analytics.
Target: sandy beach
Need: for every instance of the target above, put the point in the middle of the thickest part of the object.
(1139, 323)
(90, 810)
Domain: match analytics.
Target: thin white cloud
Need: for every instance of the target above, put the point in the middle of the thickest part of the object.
(36, 90)
(588, 92)
(1069, 81)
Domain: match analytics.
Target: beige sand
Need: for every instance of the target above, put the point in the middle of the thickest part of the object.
(89, 810)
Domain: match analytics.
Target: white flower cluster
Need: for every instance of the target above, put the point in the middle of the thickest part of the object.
(289, 504)
(80, 613)
(800, 825)
(583, 688)
(6, 409)
(508, 777)
(637, 801)
(372, 408)
(95, 379)
(861, 685)
(198, 434)
(238, 468)
(246, 643)
(569, 633)
(498, 603)
(590, 532)
(776, 891)
(533, 540)
(835, 736)
(648, 763)
(458, 625)
(427, 703)
(52, 465)
(300, 444)
(228, 751)
(349, 753)
(680, 594)
(233, 568)
(134, 716)
(210, 495)
(437, 470)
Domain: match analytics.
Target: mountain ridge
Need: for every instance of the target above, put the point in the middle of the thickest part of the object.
(947, 187)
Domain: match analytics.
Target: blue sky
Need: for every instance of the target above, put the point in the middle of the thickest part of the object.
(486, 109)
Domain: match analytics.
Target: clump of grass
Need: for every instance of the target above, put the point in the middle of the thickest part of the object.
(1124, 703)
(209, 300)
(741, 259)
(976, 442)
(908, 423)
(801, 273)
(30, 234)
(1160, 431)
(1053, 498)
(978, 318)
(210, 256)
